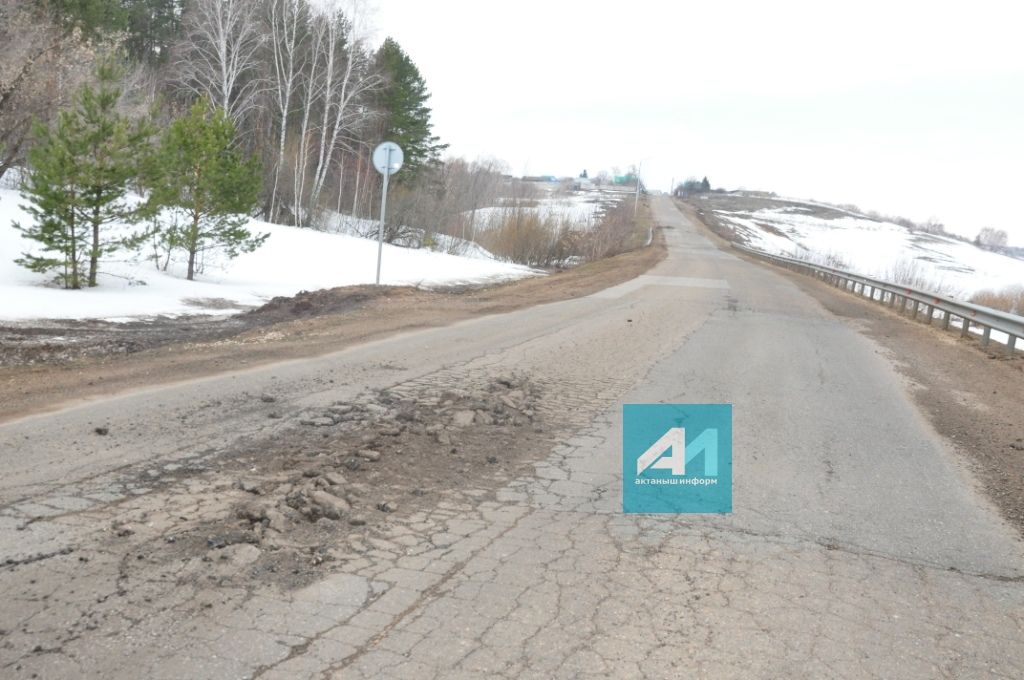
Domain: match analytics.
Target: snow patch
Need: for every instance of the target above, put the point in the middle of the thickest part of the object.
(290, 261)
(877, 248)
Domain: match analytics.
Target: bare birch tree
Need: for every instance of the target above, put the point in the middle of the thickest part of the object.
(288, 22)
(311, 89)
(347, 80)
(334, 107)
(219, 59)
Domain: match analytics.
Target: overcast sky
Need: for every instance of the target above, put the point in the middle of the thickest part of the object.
(910, 108)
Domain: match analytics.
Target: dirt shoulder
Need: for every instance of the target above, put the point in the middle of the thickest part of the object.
(47, 366)
(974, 397)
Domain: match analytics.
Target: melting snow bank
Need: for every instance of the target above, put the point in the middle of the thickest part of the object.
(865, 245)
(290, 261)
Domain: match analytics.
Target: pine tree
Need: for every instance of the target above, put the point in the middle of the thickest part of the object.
(92, 17)
(406, 115)
(152, 27)
(51, 189)
(705, 185)
(109, 147)
(198, 171)
(77, 182)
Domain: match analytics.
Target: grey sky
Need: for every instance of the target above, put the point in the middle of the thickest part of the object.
(912, 108)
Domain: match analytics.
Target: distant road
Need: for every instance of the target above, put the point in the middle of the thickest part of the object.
(858, 547)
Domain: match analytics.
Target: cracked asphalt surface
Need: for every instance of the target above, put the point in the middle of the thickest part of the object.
(859, 545)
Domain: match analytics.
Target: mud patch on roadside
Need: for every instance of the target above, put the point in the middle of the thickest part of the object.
(63, 341)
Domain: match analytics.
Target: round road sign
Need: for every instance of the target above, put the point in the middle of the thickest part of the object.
(387, 158)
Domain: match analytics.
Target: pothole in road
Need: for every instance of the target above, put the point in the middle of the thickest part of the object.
(284, 508)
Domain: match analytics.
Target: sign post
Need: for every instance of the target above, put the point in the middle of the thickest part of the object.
(387, 158)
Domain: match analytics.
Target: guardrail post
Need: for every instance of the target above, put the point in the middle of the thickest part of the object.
(966, 328)
(945, 321)
(931, 314)
(871, 293)
(1010, 342)
(892, 299)
(986, 335)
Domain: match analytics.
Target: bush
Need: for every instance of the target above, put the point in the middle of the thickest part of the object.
(522, 235)
(1009, 299)
(619, 231)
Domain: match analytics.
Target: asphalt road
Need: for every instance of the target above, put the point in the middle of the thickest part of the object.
(859, 545)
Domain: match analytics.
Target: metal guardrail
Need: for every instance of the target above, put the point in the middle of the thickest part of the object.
(910, 301)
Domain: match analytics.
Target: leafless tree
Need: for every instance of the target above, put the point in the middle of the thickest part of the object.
(219, 58)
(287, 22)
(41, 66)
(470, 187)
(334, 109)
(346, 80)
(992, 239)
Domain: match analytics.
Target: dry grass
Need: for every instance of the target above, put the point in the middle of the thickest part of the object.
(619, 231)
(1009, 299)
(523, 235)
(910, 273)
(829, 259)
(520, 234)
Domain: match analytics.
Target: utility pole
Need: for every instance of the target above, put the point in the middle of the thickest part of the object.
(636, 200)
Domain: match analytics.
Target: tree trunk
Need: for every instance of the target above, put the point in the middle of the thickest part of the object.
(355, 192)
(94, 252)
(193, 247)
(75, 285)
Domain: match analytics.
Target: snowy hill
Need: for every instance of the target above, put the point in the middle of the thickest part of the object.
(290, 261)
(860, 243)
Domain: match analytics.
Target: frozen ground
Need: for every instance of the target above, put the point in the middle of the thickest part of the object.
(290, 261)
(863, 244)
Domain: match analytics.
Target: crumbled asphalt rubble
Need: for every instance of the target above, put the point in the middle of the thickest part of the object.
(313, 493)
(375, 426)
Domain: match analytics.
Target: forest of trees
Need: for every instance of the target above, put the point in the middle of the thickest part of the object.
(99, 98)
(168, 124)
(691, 187)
